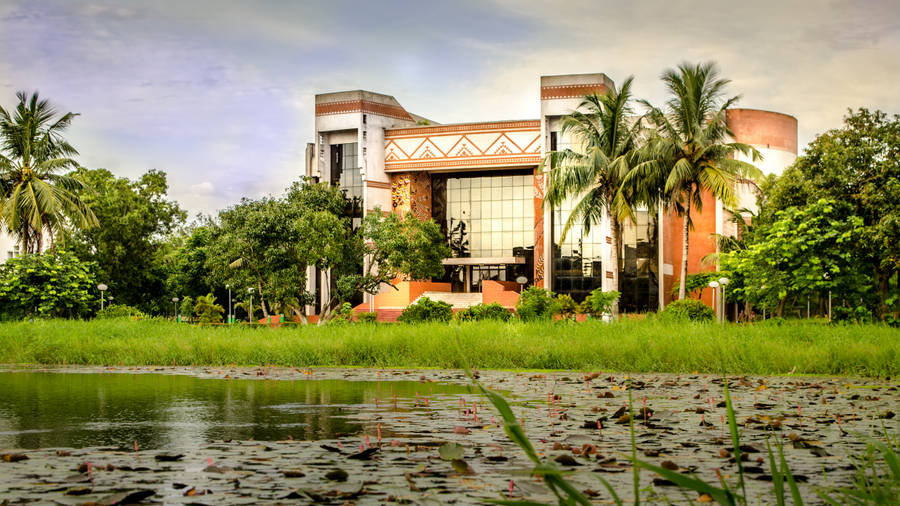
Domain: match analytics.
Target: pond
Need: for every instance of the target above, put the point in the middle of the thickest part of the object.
(176, 412)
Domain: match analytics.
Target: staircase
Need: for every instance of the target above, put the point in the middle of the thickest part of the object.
(456, 300)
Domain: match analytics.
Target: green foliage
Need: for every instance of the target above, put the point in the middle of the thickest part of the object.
(129, 247)
(536, 304)
(367, 317)
(565, 306)
(343, 314)
(427, 310)
(688, 310)
(482, 311)
(804, 251)
(207, 310)
(46, 285)
(120, 311)
(857, 166)
(186, 306)
(598, 302)
(689, 154)
(34, 199)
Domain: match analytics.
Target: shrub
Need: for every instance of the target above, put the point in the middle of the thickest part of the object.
(427, 310)
(858, 314)
(47, 285)
(688, 309)
(478, 312)
(367, 317)
(536, 304)
(120, 311)
(207, 310)
(566, 306)
(343, 314)
(599, 302)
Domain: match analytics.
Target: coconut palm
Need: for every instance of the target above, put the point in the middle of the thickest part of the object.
(689, 152)
(593, 174)
(34, 198)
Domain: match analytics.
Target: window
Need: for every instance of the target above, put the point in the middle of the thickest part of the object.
(346, 173)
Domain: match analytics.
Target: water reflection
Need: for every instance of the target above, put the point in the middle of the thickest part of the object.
(46, 410)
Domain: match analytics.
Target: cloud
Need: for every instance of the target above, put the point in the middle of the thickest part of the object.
(221, 93)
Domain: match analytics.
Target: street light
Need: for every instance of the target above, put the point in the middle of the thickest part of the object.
(828, 278)
(102, 289)
(722, 281)
(715, 286)
(229, 303)
(175, 307)
(250, 291)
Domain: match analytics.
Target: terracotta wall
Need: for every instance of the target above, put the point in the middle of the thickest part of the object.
(505, 293)
(539, 229)
(411, 192)
(701, 243)
(405, 293)
(763, 128)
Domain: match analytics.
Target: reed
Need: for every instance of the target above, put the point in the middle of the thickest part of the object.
(647, 345)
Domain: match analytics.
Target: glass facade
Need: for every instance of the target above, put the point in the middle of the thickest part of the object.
(577, 261)
(486, 215)
(346, 173)
(639, 275)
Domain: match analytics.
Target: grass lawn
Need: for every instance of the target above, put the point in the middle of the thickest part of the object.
(640, 346)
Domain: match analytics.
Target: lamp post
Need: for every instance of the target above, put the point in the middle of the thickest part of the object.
(250, 291)
(229, 303)
(175, 308)
(715, 286)
(828, 278)
(102, 289)
(722, 282)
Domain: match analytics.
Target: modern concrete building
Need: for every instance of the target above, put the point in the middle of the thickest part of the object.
(481, 182)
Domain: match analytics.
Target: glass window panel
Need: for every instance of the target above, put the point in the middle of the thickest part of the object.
(465, 182)
(496, 209)
(508, 241)
(475, 182)
(507, 208)
(476, 210)
(507, 192)
(485, 209)
(506, 181)
(518, 210)
(496, 193)
(518, 192)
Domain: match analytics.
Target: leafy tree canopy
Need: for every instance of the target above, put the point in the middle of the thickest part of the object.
(129, 247)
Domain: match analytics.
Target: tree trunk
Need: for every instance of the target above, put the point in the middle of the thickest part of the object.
(780, 311)
(300, 315)
(883, 281)
(684, 245)
(616, 247)
(262, 300)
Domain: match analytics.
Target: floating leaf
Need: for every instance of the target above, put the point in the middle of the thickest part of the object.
(451, 451)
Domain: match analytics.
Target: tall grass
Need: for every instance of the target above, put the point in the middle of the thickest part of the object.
(638, 346)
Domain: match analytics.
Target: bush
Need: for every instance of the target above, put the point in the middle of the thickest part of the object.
(599, 302)
(566, 306)
(120, 311)
(427, 310)
(207, 310)
(858, 314)
(367, 317)
(479, 312)
(689, 309)
(536, 304)
(343, 314)
(47, 285)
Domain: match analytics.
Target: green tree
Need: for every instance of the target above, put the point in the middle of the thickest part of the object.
(130, 249)
(791, 257)
(389, 247)
(47, 285)
(688, 153)
(594, 174)
(34, 198)
(859, 165)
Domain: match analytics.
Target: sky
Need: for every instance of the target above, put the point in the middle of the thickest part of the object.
(219, 94)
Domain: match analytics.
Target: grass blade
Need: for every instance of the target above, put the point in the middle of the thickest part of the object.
(777, 477)
(735, 438)
(792, 484)
(721, 496)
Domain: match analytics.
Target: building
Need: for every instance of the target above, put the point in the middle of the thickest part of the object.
(481, 183)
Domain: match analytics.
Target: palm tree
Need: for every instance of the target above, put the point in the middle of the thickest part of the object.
(594, 174)
(689, 152)
(34, 198)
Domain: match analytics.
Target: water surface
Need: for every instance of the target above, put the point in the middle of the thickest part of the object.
(48, 410)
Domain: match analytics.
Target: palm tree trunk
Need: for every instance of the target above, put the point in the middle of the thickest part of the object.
(682, 283)
(616, 248)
